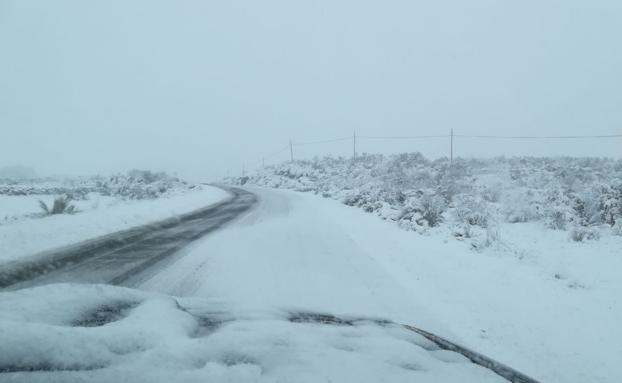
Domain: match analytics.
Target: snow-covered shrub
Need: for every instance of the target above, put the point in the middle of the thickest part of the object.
(489, 239)
(137, 184)
(453, 180)
(616, 229)
(610, 203)
(491, 193)
(582, 233)
(147, 176)
(492, 236)
(470, 210)
(61, 205)
(423, 194)
(586, 206)
(422, 209)
(558, 209)
(472, 216)
(521, 205)
(432, 207)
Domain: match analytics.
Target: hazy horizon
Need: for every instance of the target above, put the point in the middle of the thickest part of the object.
(199, 88)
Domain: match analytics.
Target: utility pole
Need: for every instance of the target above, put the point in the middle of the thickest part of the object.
(354, 146)
(451, 149)
(263, 162)
(243, 170)
(291, 151)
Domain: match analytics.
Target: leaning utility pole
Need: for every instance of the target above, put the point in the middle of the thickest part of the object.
(354, 146)
(291, 151)
(451, 148)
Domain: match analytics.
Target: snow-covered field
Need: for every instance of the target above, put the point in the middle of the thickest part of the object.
(471, 198)
(522, 253)
(25, 231)
(525, 294)
(550, 310)
(241, 287)
(548, 306)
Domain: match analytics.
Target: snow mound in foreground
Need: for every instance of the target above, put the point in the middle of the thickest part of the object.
(100, 333)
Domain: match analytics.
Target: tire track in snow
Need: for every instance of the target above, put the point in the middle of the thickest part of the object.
(120, 258)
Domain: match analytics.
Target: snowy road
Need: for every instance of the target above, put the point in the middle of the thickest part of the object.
(271, 275)
(125, 257)
(291, 253)
(287, 252)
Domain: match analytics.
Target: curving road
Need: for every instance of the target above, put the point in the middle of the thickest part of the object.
(291, 252)
(128, 256)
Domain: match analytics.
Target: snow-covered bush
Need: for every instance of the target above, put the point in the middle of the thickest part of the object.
(473, 195)
(137, 184)
(421, 210)
(610, 203)
(521, 205)
(582, 233)
(61, 205)
(491, 193)
(558, 209)
(470, 210)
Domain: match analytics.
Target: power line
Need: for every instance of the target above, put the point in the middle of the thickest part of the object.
(322, 141)
(400, 137)
(354, 137)
(540, 137)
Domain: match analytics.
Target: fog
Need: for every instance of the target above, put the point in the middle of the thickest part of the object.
(202, 88)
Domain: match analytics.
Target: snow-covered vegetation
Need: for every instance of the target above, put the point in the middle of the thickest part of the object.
(71, 195)
(136, 184)
(40, 214)
(469, 197)
(530, 298)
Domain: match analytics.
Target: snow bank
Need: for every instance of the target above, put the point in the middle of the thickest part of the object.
(543, 304)
(27, 232)
(98, 333)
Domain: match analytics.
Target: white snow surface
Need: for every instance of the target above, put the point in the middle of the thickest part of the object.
(156, 338)
(23, 233)
(540, 303)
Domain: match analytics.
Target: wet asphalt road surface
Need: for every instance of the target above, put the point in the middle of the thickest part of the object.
(127, 257)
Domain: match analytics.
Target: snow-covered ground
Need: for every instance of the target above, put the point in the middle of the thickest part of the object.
(545, 305)
(540, 303)
(534, 300)
(24, 232)
(469, 197)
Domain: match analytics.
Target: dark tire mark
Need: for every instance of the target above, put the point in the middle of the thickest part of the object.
(120, 257)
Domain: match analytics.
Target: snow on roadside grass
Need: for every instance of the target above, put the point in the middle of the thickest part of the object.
(47, 337)
(99, 215)
(468, 196)
(539, 302)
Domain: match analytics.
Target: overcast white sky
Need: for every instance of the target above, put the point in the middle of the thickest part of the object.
(199, 87)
